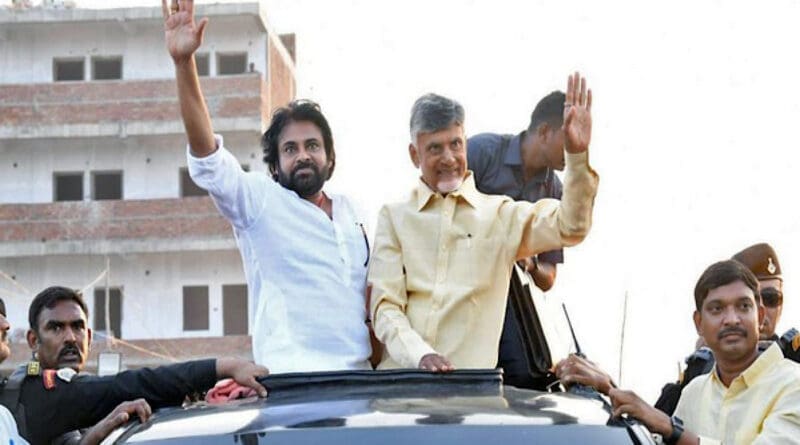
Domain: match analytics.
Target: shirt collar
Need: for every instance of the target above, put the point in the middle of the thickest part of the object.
(467, 191)
(514, 152)
(765, 361)
(513, 157)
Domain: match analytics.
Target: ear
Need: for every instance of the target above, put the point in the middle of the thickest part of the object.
(89, 335)
(414, 154)
(543, 131)
(697, 319)
(33, 340)
(762, 311)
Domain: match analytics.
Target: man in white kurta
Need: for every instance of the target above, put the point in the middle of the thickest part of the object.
(304, 251)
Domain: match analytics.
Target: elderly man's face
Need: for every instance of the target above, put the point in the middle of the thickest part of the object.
(5, 351)
(442, 157)
(729, 321)
(63, 337)
(772, 299)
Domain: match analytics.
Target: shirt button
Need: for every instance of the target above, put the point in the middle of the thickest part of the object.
(443, 248)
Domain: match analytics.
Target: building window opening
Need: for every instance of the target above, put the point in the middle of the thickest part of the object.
(195, 308)
(68, 186)
(234, 309)
(106, 185)
(229, 64)
(114, 311)
(188, 187)
(106, 68)
(67, 69)
(203, 64)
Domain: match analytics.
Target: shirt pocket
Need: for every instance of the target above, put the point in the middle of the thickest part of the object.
(478, 263)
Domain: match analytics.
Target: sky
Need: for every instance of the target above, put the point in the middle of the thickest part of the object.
(695, 134)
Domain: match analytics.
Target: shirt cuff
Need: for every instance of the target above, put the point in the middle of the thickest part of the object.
(708, 441)
(210, 157)
(577, 160)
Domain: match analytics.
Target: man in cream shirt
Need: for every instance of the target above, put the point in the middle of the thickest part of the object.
(750, 397)
(443, 258)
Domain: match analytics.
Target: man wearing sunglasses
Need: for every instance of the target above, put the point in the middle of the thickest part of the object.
(763, 262)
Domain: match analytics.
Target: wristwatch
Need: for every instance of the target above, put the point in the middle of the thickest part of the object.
(677, 430)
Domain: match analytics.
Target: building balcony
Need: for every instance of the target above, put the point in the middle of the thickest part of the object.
(131, 107)
(113, 227)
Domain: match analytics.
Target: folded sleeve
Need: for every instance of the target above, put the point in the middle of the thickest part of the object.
(550, 224)
(234, 191)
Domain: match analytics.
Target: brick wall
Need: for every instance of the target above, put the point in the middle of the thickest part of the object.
(281, 79)
(109, 101)
(113, 220)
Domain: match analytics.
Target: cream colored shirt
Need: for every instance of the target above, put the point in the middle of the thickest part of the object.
(441, 264)
(761, 406)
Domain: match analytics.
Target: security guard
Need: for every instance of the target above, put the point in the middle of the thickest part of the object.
(762, 260)
(49, 397)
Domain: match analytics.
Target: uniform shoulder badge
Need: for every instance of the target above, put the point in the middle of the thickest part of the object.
(49, 379)
(33, 369)
(796, 342)
(66, 374)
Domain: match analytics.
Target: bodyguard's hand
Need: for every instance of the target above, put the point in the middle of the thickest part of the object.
(577, 115)
(627, 402)
(435, 363)
(182, 34)
(575, 369)
(121, 414)
(242, 372)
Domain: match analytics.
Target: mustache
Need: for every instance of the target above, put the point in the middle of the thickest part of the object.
(731, 330)
(308, 164)
(70, 349)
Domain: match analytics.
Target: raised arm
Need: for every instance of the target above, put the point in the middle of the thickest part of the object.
(551, 224)
(183, 36)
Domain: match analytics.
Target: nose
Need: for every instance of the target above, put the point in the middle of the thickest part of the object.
(70, 336)
(302, 154)
(730, 316)
(448, 158)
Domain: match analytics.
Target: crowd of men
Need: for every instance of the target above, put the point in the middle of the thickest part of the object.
(432, 291)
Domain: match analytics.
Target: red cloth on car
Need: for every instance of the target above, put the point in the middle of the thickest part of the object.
(226, 390)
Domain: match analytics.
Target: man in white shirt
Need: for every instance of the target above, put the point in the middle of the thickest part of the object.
(8, 427)
(305, 252)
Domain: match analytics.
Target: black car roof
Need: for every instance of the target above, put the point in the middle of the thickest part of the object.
(398, 406)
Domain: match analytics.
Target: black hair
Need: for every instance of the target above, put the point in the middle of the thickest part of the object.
(549, 110)
(720, 274)
(48, 298)
(296, 111)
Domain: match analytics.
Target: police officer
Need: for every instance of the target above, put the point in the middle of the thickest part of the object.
(49, 397)
(762, 260)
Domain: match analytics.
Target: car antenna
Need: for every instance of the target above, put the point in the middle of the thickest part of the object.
(578, 351)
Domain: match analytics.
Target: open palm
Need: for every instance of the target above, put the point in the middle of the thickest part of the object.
(577, 115)
(182, 34)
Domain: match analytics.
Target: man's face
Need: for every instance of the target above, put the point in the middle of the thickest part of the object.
(729, 321)
(772, 299)
(63, 337)
(442, 157)
(5, 351)
(303, 165)
(553, 142)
